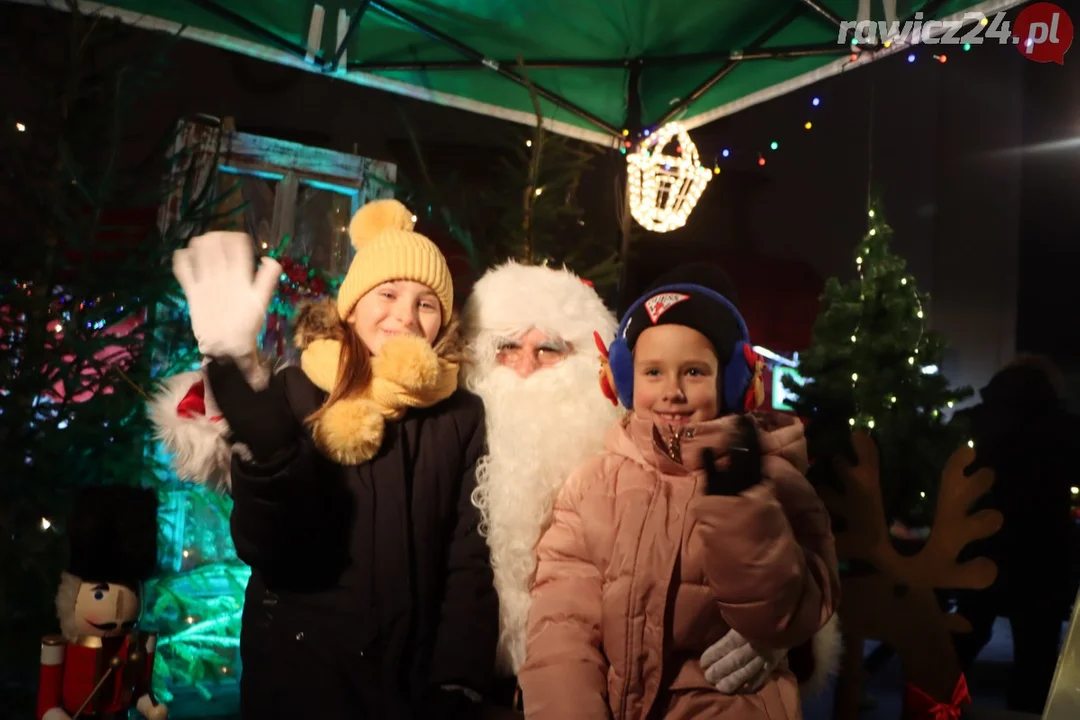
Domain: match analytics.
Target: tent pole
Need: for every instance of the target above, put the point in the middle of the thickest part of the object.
(823, 11)
(464, 65)
(794, 51)
(354, 25)
(252, 27)
(728, 66)
(698, 92)
(780, 52)
(507, 73)
(929, 11)
(633, 125)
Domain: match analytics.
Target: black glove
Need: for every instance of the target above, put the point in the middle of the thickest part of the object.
(452, 704)
(744, 470)
(260, 419)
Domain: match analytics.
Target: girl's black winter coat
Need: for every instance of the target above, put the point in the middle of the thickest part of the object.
(371, 586)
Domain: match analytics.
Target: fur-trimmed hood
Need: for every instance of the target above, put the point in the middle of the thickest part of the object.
(316, 320)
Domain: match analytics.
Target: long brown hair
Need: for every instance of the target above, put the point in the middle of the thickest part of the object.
(353, 371)
(354, 362)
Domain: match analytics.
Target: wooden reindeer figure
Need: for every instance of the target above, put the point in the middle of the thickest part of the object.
(896, 603)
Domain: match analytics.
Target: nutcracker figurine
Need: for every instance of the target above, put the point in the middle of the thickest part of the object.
(102, 664)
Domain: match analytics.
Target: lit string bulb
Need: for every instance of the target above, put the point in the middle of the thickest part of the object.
(774, 145)
(664, 189)
(919, 314)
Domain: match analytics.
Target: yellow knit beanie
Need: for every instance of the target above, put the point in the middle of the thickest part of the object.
(388, 249)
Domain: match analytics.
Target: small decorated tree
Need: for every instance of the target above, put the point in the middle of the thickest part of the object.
(874, 366)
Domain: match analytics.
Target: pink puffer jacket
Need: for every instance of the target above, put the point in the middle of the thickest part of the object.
(640, 572)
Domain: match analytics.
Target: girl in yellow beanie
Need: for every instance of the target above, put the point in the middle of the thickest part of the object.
(371, 593)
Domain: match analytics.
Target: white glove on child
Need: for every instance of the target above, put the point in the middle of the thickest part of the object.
(733, 665)
(227, 306)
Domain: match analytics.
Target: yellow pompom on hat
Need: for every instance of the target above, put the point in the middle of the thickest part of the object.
(388, 249)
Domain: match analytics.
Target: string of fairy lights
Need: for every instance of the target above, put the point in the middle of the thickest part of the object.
(920, 317)
(761, 154)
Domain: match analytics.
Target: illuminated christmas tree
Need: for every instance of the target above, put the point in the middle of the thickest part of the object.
(873, 365)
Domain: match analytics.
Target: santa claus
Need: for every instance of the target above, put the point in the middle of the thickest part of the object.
(533, 360)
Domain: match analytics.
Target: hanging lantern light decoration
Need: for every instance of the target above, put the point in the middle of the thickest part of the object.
(665, 188)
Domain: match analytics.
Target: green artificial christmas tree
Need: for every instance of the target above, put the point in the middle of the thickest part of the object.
(874, 366)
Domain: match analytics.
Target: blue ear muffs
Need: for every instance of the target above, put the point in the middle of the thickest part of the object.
(621, 362)
(738, 374)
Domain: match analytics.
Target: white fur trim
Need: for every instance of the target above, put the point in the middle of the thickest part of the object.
(55, 714)
(511, 299)
(200, 449)
(66, 595)
(826, 647)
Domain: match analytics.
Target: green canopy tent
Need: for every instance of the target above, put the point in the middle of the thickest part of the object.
(598, 66)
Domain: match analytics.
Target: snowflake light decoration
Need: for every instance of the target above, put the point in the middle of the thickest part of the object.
(664, 189)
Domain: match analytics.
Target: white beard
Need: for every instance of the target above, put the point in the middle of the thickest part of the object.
(539, 430)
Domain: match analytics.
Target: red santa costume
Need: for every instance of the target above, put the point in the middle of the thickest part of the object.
(102, 664)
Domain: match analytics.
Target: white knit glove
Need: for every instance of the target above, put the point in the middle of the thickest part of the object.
(733, 665)
(227, 306)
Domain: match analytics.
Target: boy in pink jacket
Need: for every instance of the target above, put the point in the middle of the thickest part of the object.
(696, 519)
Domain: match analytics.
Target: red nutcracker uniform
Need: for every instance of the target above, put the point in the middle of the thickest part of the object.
(70, 672)
(102, 665)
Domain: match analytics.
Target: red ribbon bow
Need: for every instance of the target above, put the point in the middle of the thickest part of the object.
(920, 706)
(194, 403)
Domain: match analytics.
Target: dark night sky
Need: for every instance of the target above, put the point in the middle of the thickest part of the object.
(1049, 295)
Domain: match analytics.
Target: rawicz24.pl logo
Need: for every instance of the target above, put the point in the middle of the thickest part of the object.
(1042, 32)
